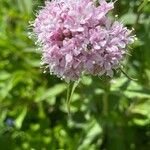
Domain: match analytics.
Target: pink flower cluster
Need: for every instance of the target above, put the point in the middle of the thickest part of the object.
(78, 38)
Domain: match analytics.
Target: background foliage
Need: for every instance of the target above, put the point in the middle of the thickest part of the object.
(105, 114)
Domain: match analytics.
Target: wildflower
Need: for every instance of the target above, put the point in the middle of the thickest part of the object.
(78, 38)
(9, 122)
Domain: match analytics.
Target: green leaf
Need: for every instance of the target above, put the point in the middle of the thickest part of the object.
(144, 3)
(10, 83)
(25, 6)
(86, 80)
(130, 89)
(92, 130)
(141, 109)
(4, 75)
(129, 18)
(43, 94)
(20, 118)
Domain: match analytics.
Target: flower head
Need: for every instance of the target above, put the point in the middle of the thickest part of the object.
(78, 37)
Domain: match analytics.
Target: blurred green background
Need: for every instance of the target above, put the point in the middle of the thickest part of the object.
(105, 114)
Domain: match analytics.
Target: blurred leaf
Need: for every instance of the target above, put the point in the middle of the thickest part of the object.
(144, 3)
(10, 83)
(130, 89)
(92, 130)
(43, 94)
(129, 18)
(33, 63)
(25, 6)
(86, 80)
(19, 120)
(142, 109)
(4, 75)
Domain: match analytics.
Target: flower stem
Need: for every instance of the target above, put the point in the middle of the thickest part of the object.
(105, 103)
(105, 97)
(70, 91)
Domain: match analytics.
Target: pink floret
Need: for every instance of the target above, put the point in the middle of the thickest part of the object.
(79, 38)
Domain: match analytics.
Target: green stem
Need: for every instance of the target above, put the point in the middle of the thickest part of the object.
(130, 78)
(105, 97)
(68, 99)
(70, 91)
(105, 103)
